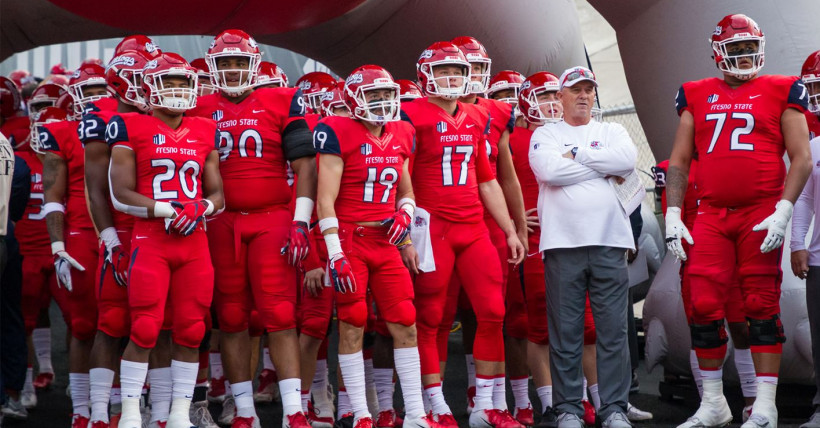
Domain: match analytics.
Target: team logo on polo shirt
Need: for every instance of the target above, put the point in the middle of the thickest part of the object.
(596, 145)
(159, 139)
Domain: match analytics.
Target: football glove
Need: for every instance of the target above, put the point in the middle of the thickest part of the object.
(340, 273)
(188, 215)
(775, 224)
(63, 263)
(117, 259)
(298, 243)
(399, 226)
(675, 232)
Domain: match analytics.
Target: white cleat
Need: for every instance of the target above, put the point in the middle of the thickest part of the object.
(758, 420)
(635, 414)
(747, 412)
(200, 416)
(228, 411)
(179, 421)
(713, 413)
(28, 399)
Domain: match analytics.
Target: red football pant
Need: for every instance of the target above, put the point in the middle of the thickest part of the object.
(81, 244)
(39, 285)
(734, 301)
(377, 266)
(169, 269)
(112, 299)
(466, 249)
(250, 271)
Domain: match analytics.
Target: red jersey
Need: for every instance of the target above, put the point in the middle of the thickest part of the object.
(813, 121)
(520, 147)
(61, 139)
(253, 164)
(169, 162)
(737, 136)
(372, 165)
(312, 120)
(17, 130)
(92, 129)
(31, 230)
(502, 118)
(450, 159)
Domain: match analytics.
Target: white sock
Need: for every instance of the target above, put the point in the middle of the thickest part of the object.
(132, 378)
(383, 378)
(771, 380)
(305, 399)
(215, 360)
(370, 386)
(161, 381)
(520, 389)
(116, 395)
(483, 393)
(766, 393)
(408, 368)
(437, 403)
(352, 366)
(344, 404)
(100, 380)
(470, 369)
(693, 363)
(267, 363)
(712, 374)
(499, 393)
(746, 372)
(243, 397)
(41, 338)
(596, 399)
(79, 384)
(319, 384)
(584, 395)
(28, 385)
(184, 380)
(425, 400)
(291, 392)
(545, 395)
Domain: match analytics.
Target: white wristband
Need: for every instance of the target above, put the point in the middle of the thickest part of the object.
(303, 210)
(408, 205)
(334, 246)
(328, 223)
(210, 208)
(50, 207)
(163, 209)
(110, 238)
(57, 246)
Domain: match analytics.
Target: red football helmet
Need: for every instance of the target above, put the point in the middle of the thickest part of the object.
(66, 103)
(271, 75)
(810, 73)
(46, 115)
(504, 81)
(234, 43)
(59, 69)
(124, 78)
(535, 111)
(313, 86)
(176, 100)
(11, 102)
(733, 29)
(87, 76)
(438, 54)
(476, 54)
(45, 95)
(21, 78)
(92, 61)
(333, 99)
(408, 90)
(369, 78)
(57, 79)
(140, 43)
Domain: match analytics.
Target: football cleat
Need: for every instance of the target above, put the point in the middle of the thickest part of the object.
(228, 411)
(296, 420)
(446, 420)
(43, 380)
(240, 422)
(216, 390)
(365, 422)
(317, 421)
(28, 399)
(386, 419)
(470, 399)
(503, 419)
(589, 413)
(525, 416)
(346, 421)
(79, 421)
(200, 416)
(268, 389)
(635, 414)
(99, 424)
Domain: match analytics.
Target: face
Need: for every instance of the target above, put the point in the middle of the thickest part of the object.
(378, 96)
(745, 49)
(95, 91)
(577, 100)
(476, 71)
(549, 105)
(449, 76)
(236, 69)
(171, 82)
(504, 93)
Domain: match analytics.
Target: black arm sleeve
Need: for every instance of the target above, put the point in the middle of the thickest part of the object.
(20, 189)
(297, 140)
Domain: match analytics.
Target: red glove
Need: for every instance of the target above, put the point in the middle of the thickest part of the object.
(399, 226)
(117, 260)
(340, 273)
(189, 215)
(298, 243)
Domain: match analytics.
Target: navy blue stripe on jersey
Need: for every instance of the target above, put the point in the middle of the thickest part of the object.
(91, 128)
(511, 122)
(47, 140)
(413, 148)
(405, 117)
(487, 127)
(297, 105)
(680, 101)
(217, 138)
(325, 140)
(799, 95)
(116, 132)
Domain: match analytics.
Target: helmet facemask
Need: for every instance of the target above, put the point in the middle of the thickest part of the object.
(441, 86)
(78, 90)
(729, 62)
(554, 110)
(165, 96)
(479, 81)
(813, 88)
(219, 77)
(381, 110)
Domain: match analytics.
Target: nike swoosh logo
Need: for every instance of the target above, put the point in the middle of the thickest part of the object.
(470, 126)
(73, 233)
(140, 237)
(240, 394)
(566, 145)
(257, 111)
(751, 97)
(700, 212)
(190, 141)
(396, 147)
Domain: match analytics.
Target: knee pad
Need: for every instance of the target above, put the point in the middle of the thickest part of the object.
(315, 327)
(354, 313)
(705, 307)
(709, 336)
(190, 334)
(590, 336)
(281, 316)
(115, 322)
(144, 331)
(761, 306)
(403, 313)
(766, 332)
(233, 318)
(83, 328)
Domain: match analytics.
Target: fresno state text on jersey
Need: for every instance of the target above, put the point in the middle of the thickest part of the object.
(372, 165)
(738, 138)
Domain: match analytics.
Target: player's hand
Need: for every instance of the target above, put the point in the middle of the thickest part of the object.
(63, 263)
(188, 216)
(776, 226)
(800, 263)
(298, 243)
(117, 259)
(314, 281)
(399, 226)
(410, 258)
(517, 251)
(676, 231)
(340, 272)
(532, 219)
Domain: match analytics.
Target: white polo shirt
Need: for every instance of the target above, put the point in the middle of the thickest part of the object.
(6, 176)
(807, 205)
(577, 205)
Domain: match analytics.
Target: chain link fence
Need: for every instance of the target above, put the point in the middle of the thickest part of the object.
(626, 116)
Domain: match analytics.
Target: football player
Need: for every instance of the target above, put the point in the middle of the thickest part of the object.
(504, 87)
(45, 95)
(165, 171)
(739, 126)
(14, 123)
(451, 173)
(204, 86)
(73, 238)
(408, 90)
(260, 131)
(314, 85)
(810, 74)
(271, 76)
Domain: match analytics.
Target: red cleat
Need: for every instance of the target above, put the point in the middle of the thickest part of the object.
(216, 390)
(503, 419)
(589, 413)
(78, 421)
(296, 420)
(43, 380)
(446, 420)
(317, 421)
(114, 421)
(525, 416)
(366, 422)
(239, 422)
(470, 399)
(386, 419)
(99, 424)
(268, 389)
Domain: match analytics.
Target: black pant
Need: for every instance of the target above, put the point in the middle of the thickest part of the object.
(13, 350)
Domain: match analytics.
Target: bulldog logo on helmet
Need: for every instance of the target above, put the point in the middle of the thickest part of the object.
(151, 47)
(428, 53)
(121, 60)
(150, 64)
(354, 78)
